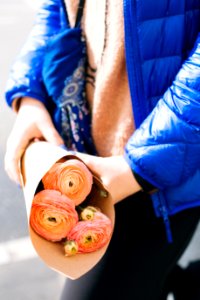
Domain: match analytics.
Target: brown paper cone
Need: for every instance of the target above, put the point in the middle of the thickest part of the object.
(37, 160)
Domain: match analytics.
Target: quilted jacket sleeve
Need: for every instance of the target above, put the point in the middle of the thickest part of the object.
(25, 76)
(165, 149)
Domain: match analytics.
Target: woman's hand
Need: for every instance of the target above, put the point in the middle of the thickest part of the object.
(115, 174)
(32, 122)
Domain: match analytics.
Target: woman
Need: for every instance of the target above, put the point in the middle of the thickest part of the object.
(143, 93)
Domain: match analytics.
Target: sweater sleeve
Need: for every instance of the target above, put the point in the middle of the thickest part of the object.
(25, 77)
(165, 149)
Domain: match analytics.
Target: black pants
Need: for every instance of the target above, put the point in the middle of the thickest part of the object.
(139, 258)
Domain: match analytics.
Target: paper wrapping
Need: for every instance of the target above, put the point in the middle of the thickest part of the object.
(38, 158)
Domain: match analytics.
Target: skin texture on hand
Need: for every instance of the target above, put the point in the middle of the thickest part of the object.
(115, 174)
(32, 122)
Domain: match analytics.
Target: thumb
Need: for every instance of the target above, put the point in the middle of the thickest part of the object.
(94, 163)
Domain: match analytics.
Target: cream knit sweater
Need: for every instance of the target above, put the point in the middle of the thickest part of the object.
(108, 95)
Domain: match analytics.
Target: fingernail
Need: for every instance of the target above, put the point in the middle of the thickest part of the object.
(63, 147)
(72, 152)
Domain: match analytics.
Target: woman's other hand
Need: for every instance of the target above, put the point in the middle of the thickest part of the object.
(32, 122)
(115, 174)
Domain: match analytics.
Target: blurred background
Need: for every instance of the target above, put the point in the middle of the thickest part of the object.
(23, 276)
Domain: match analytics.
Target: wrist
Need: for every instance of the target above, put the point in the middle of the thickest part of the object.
(132, 185)
(28, 101)
(124, 183)
(146, 186)
(20, 101)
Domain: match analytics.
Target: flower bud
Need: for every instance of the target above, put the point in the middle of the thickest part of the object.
(88, 213)
(70, 248)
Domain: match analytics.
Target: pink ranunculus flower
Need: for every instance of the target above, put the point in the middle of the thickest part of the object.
(72, 178)
(53, 215)
(91, 235)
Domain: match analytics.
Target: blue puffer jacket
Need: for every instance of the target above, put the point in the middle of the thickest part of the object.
(163, 63)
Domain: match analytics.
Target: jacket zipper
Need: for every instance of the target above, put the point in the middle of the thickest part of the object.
(161, 210)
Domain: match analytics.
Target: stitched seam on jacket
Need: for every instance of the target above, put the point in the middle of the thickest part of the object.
(168, 16)
(162, 57)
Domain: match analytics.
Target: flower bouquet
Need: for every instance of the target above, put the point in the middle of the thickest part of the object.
(70, 214)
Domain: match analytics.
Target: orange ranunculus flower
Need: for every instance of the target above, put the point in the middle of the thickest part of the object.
(72, 178)
(53, 215)
(91, 235)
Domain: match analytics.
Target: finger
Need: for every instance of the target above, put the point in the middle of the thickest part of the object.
(12, 166)
(94, 163)
(14, 151)
(86, 158)
(50, 133)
